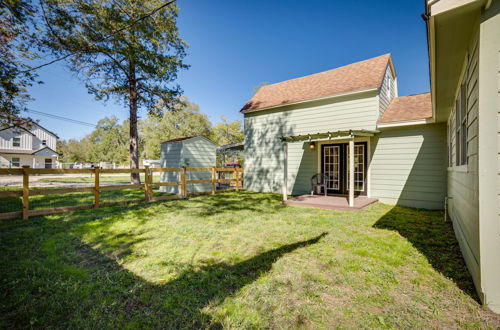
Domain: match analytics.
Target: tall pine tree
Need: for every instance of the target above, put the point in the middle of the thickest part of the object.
(129, 50)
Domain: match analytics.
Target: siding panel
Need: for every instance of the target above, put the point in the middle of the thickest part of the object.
(463, 180)
(264, 149)
(385, 89)
(408, 166)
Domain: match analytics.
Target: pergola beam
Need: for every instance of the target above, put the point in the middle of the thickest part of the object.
(326, 136)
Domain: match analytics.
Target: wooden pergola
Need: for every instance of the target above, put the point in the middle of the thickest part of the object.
(349, 135)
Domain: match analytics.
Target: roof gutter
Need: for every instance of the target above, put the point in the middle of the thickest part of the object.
(406, 123)
(360, 91)
(429, 24)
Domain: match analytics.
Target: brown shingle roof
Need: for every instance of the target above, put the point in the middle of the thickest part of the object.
(410, 107)
(353, 77)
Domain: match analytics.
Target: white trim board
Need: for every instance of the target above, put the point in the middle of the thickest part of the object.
(407, 123)
(368, 158)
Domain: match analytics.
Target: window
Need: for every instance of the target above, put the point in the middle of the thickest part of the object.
(15, 162)
(450, 142)
(461, 127)
(48, 162)
(44, 142)
(388, 85)
(16, 142)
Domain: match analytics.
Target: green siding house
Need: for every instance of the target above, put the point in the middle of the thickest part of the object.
(464, 53)
(399, 150)
(431, 150)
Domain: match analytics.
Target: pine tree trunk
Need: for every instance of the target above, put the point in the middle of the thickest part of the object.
(134, 145)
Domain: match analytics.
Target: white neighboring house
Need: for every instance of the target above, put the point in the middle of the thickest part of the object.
(34, 146)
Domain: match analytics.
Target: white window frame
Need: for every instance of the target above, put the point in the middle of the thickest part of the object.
(14, 141)
(461, 119)
(449, 136)
(44, 142)
(368, 159)
(18, 162)
(388, 85)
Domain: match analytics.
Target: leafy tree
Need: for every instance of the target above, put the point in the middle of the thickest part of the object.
(108, 142)
(187, 120)
(227, 132)
(16, 39)
(127, 50)
(73, 150)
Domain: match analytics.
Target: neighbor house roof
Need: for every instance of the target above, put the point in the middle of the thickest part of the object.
(50, 149)
(24, 151)
(16, 128)
(16, 151)
(406, 108)
(50, 132)
(354, 77)
(32, 123)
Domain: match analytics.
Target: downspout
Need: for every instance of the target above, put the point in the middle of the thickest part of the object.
(446, 203)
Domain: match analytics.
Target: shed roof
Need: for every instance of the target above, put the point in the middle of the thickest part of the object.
(188, 138)
(406, 108)
(232, 146)
(178, 139)
(357, 76)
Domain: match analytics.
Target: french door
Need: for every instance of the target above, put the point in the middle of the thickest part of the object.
(334, 163)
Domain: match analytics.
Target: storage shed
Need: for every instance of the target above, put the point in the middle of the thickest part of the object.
(192, 151)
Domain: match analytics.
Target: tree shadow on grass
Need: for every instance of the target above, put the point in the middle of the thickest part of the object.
(209, 205)
(72, 284)
(435, 239)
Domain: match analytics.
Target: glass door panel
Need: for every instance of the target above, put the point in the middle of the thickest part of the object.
(331, 166)
(359, 167)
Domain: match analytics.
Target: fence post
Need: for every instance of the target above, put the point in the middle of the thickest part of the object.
(147, 183)
(237, 177)
(214, 180)
(183, 182)
(26, 192)
(97, 189)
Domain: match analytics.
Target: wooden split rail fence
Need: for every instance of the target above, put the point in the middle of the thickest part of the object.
(147, 186)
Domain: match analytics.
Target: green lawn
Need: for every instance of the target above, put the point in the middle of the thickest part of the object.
(13, 204)
(235, 260)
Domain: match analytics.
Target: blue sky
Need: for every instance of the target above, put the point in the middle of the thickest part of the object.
(236, 45)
